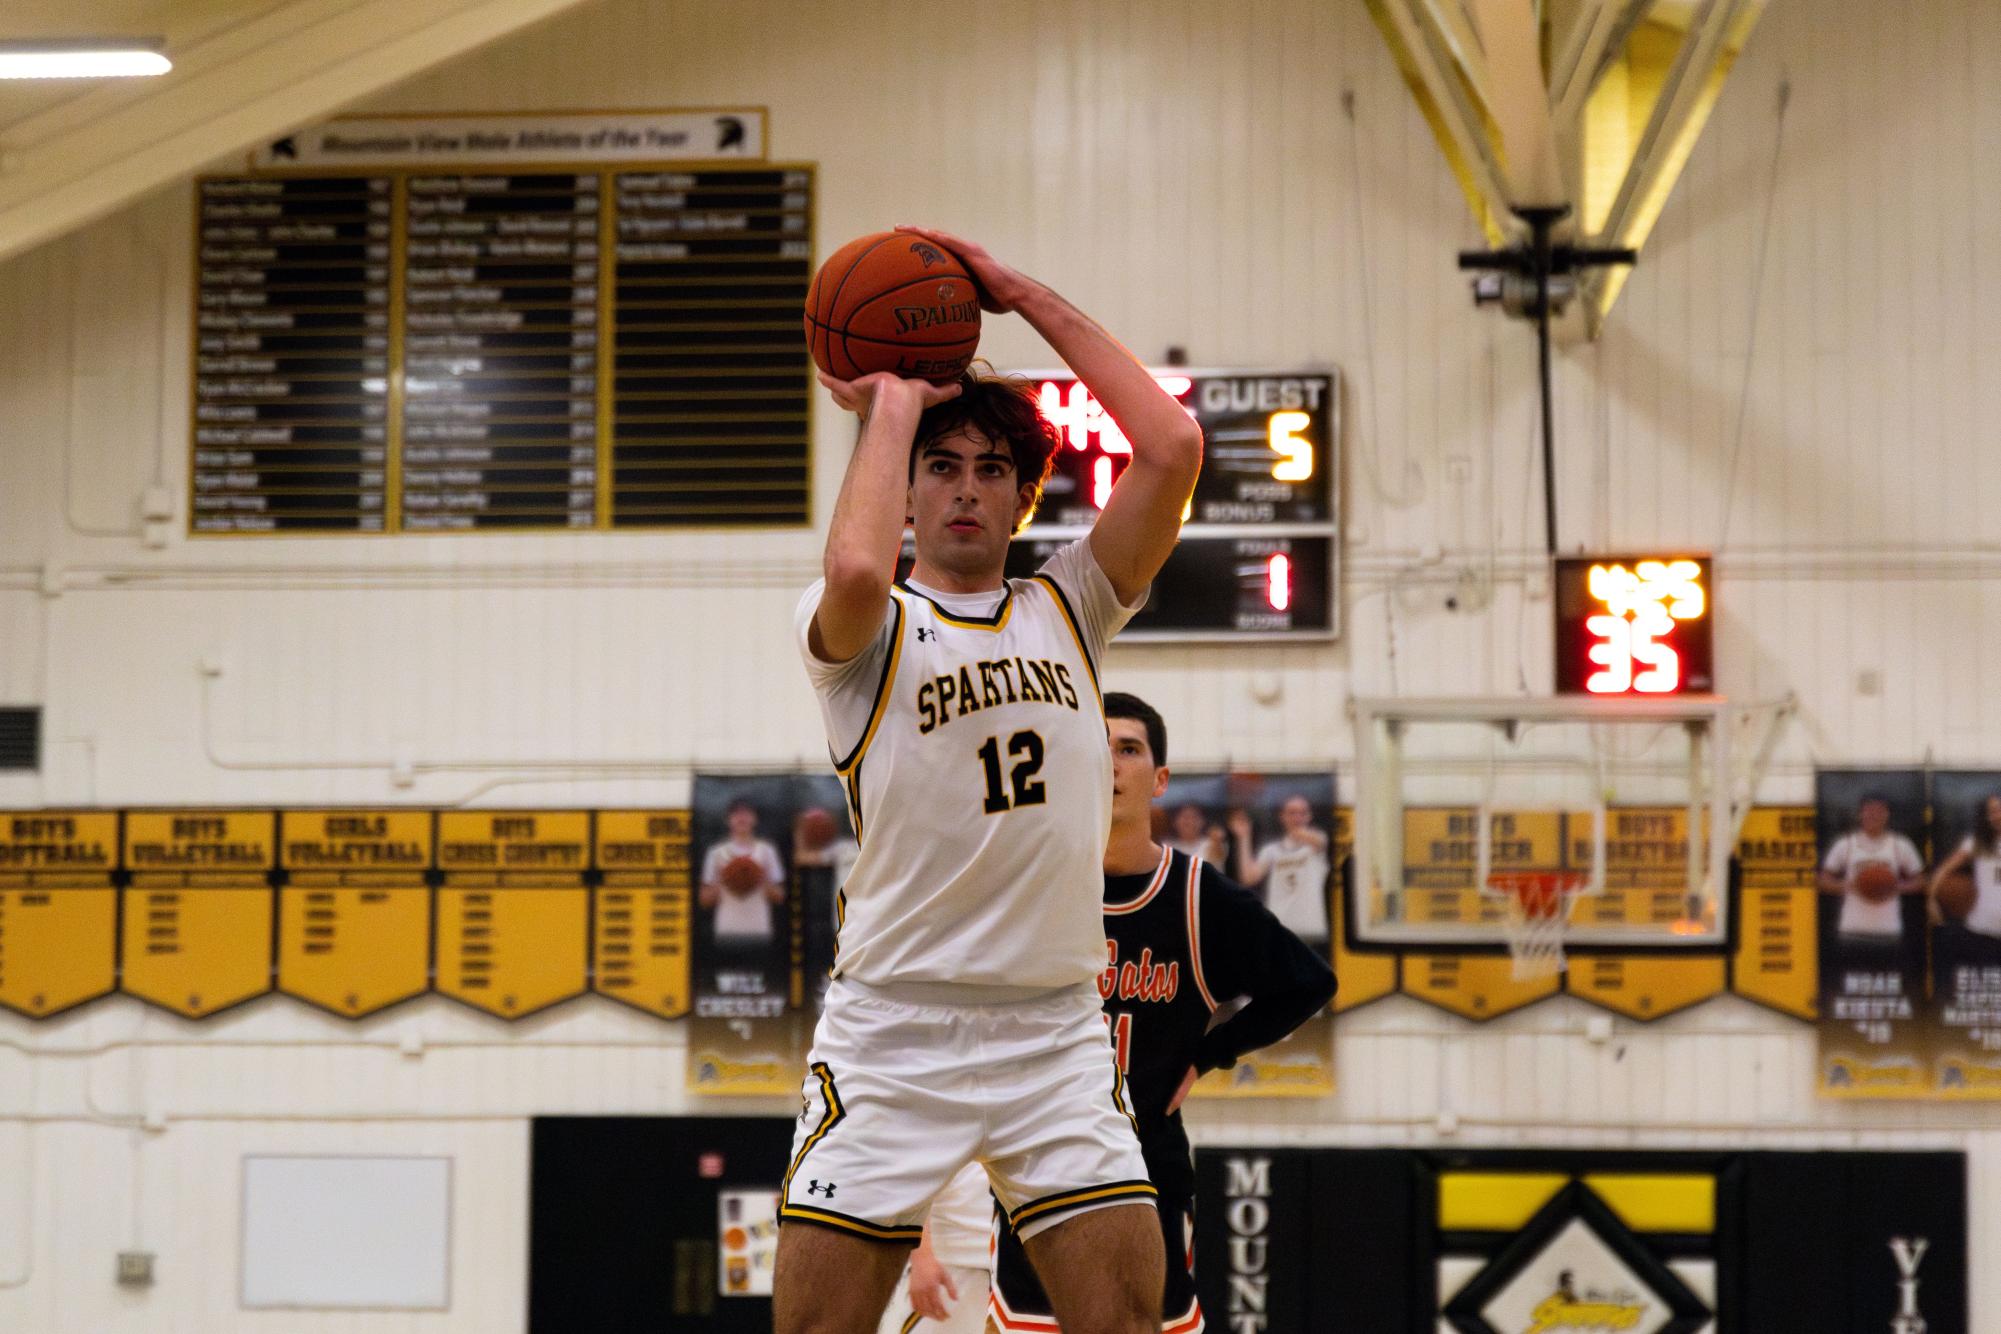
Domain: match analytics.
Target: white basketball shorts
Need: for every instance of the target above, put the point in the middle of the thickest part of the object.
(900, 1095)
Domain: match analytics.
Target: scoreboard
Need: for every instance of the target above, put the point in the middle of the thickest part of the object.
(421, 351)
(1634, 625)
(1259, 556)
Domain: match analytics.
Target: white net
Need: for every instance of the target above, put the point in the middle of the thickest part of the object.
(1538, 908)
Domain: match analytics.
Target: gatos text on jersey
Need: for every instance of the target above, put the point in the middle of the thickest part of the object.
(1141, 979)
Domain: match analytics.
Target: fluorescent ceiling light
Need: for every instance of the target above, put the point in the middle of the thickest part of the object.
(83, 58)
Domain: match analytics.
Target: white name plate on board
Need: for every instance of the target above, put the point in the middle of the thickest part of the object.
(703, 134)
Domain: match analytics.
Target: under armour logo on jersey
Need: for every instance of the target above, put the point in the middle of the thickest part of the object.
(925, 632)
(815, 1188)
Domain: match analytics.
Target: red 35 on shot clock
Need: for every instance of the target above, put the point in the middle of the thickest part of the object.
(1634, 625)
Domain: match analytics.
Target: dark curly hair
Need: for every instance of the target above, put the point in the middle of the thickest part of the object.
(1002, 409)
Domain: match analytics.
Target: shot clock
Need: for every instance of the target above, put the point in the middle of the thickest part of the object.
(1634, 625)
(1259, 550)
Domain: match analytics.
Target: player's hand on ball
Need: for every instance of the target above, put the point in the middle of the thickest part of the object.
(857, 396)
(1001, 288)
(930, 1285)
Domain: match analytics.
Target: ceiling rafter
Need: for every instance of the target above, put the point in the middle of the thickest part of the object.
(84, 157)
(1521, 96)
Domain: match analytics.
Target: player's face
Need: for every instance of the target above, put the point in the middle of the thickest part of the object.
(1993, 812)
(1136, 780)
(743, 823)
(1875, 818)
(1297, 813)
(965, 503)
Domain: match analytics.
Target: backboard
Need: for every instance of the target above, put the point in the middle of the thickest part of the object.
(1633, 801)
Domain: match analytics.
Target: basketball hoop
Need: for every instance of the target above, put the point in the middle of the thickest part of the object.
(1538, 910)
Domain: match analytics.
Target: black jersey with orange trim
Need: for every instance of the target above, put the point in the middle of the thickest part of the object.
(1180, 941)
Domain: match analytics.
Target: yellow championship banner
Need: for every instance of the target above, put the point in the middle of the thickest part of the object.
(1473, 986)
(1644, 986)
(58, 909)
(1646, 866)
(1441, 874)
(513, 922)
(1646, 886)
(642, 920)
(1441, 856)
(1363, 977)
(196, 934)
(1777, 963)
(354, 913)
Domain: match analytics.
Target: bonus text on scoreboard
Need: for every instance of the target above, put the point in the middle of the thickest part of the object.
(422, 351)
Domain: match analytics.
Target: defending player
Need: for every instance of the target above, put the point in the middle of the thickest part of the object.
(1179, 939)
(962, 710)
(944, 1291)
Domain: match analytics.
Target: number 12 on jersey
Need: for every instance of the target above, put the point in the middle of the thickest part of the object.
(1025, 749)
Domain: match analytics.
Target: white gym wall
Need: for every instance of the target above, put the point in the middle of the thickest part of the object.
(1187, 173)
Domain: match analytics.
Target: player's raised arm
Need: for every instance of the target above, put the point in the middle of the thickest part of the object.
(1142, 520)
(866, 533)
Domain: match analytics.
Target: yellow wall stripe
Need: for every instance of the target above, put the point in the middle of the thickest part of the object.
(1494, 1201)
(1664, 1203)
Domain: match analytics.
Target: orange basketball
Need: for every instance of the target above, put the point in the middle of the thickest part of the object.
(1956, 895)
(1876, 882)
(816, 828)
(741, 875)
(893, 302)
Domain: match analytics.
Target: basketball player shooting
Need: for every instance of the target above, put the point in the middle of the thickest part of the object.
(963, 713)
(1180, 939)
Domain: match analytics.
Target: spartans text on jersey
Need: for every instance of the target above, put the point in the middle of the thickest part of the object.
(1040, 681)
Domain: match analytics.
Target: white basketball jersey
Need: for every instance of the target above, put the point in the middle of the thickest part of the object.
(1850, 853)
(1296, 887)
(970, 738)
(1986, 914)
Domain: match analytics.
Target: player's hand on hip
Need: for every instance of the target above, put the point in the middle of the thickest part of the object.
(930, 1285)
(1181, 1093)
(1001, 288)
(858, 396)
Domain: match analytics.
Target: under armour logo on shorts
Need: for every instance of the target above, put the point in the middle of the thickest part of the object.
(815, 1188)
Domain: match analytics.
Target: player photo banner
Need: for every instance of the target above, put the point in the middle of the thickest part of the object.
(743, 1040)
(1875, 1034)
(1963, 908)
(1277, 835)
